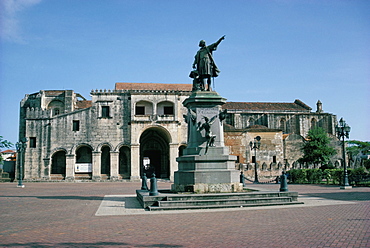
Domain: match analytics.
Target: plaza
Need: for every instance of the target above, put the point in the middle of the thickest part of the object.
(94, 214)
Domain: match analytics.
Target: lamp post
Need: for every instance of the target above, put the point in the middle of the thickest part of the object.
(255, 144)
(342, 131)
(21, 147)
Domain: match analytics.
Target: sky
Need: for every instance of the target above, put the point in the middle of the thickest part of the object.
(274, 50)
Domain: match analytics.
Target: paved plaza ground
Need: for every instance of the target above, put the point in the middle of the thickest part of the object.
(79, 215)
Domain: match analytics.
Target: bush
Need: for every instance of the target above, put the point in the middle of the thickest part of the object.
(327, 166)
(367, 164)
(337, 176)
(327, 175)
(314, 175)
(297, 176)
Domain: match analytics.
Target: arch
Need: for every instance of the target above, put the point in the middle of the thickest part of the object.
(124, 162)
(59, 149)
(160, 129)
(100, 146)
(84, 154)
(154, 144)
(58, 163)
(282, 124)
(251, 121)
(313, 123)
(77, 146)
(165, 108)
(56, 106)
(143, 108)
(105, 160)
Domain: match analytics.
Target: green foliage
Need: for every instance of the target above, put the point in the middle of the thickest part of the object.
(5, 143)
(297, 176)
(327, 166)
(327, 175)
(316, 149)
(367, 164)
(356, 146)
(334, 176)
(314, 175)
(337, 176)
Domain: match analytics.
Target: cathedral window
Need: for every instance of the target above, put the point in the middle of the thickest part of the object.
(165, 108)
(32, 142)
(283, 124)
(56, 111)
(168, 110)
(76, 125)
(251, 122)
(105, 112)
(140, 110)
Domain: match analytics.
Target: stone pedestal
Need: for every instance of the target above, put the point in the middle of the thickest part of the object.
(206, 165)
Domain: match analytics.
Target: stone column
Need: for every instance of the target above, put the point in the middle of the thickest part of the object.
(70, 167)
(96, 166)
(47, 167)
(114, 165)
(174, 151)
(135, 162)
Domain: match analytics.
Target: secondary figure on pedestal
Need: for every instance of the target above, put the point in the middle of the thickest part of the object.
(208, 133)
(204, 63)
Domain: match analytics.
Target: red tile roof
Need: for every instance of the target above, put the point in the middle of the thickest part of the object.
(8, 151)
(153, 86)
(267, 106)
(83, 104)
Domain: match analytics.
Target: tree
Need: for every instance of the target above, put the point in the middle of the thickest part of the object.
(358, 151)
(316, 149)
(357, 147)
(4, 144)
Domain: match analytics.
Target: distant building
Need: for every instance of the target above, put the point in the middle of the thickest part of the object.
(8, 155)
(71, 138)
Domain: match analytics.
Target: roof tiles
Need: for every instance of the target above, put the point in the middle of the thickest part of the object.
(154, 86)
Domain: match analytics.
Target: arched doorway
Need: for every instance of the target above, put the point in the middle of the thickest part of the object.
(124, 162)
(58, 165)
(105, 162)
(83, 168)
(154, 144)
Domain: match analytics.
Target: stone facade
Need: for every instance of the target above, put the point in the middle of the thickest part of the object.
(107, 137)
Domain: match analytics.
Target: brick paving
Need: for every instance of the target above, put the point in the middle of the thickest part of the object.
(63, 215)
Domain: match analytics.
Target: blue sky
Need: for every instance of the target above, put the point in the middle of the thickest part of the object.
(274, 51)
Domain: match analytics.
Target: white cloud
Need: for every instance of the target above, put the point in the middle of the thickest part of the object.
(10, 29)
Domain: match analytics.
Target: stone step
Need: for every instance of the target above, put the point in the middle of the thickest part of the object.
(184, 197)
(223, 201)
(157, 208)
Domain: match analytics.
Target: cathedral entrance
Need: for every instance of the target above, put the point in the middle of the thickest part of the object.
(58, 165)
(154, 144)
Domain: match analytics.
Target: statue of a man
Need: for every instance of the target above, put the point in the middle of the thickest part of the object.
(204, 63)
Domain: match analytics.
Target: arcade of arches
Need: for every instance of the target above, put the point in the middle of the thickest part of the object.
(88, 164)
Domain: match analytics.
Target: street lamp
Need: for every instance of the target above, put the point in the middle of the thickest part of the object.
(343, 131)
(21, 147)
(256, 144)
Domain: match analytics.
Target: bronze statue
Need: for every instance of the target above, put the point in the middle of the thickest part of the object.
(205, 65)
(208, 133)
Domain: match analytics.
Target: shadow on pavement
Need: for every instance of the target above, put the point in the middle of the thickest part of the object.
(342, 196)
(85, 245)
(64, 197)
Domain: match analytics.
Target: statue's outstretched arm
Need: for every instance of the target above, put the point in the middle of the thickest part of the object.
(221, 39)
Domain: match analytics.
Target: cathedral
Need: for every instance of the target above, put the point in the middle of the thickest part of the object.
(111, 136)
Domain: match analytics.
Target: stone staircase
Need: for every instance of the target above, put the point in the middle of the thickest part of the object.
(173, 201)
